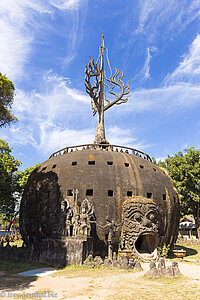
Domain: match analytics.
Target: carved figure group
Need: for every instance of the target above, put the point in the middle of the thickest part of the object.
(79, 218)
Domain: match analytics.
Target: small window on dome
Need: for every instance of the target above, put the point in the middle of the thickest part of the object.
(126, 165)
(149, 195)
(70, 193)
(53, 167)
(110, 193)
(154, 169)
(109, 163)
(129, 193)
(74, 163)
(89, 192)
(44, 168)
(164, 196)
(141, 166)
(91, 162)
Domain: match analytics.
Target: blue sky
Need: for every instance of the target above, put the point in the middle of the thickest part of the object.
(43, 49)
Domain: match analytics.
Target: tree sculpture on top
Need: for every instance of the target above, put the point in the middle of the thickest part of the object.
(94, 83)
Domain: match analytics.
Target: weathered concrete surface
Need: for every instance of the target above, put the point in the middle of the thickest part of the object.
(52, 205)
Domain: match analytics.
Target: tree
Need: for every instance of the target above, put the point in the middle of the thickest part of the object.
(184, 168)
(95, 83)
(6, 99)
(8, 185)
(12, 183)
(22, 177)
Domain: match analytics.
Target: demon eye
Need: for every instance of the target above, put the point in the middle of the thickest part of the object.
(152, 217)
(138, 218)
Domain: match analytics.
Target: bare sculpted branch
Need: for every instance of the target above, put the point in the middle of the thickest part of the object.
(124, 89)
(92, 90)
(94, 83)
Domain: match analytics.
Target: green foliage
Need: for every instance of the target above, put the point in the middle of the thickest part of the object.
(22, 177)
(6, 99)
(12, 183)
(8, 184)
(163, 250)
(184, 169)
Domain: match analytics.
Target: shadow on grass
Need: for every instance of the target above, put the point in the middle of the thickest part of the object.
(10, 281)
(15, 283)
(189, 251)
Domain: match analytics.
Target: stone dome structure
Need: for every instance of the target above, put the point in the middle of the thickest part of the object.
(88, 196)
(98, 198)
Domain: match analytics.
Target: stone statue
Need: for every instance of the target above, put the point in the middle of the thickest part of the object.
(112, 228)
(76, 224)
(86, 217)
(141, 225)
(68, 222)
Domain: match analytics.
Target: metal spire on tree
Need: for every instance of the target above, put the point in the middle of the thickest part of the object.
(94, 83)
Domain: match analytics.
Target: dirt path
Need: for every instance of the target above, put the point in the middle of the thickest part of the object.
(108, 284)
(64, 287)
(190, 270)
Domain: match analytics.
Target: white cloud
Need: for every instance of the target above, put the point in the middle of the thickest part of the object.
(158, 159)
(41, 113)
(24, 135)
(14, 44)
(19, 23)
(54, 138)
(16, 19)
(59, 116)
(144, 74)
(66, 4)
(166, 99)
(74, 35)
(119, 136)
(189, 69)
(181, 88)
(169, 17)
(146, 67)
(55, 100)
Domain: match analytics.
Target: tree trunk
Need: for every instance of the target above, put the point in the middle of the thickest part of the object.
(10, 224)
(100, 130)
(198, 221)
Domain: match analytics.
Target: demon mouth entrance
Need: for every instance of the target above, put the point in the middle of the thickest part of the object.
(146, 246)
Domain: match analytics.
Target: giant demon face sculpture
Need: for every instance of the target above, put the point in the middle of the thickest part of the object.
(141, 227)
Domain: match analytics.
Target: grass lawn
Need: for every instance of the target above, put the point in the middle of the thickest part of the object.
(10, 281)
(14, 267)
